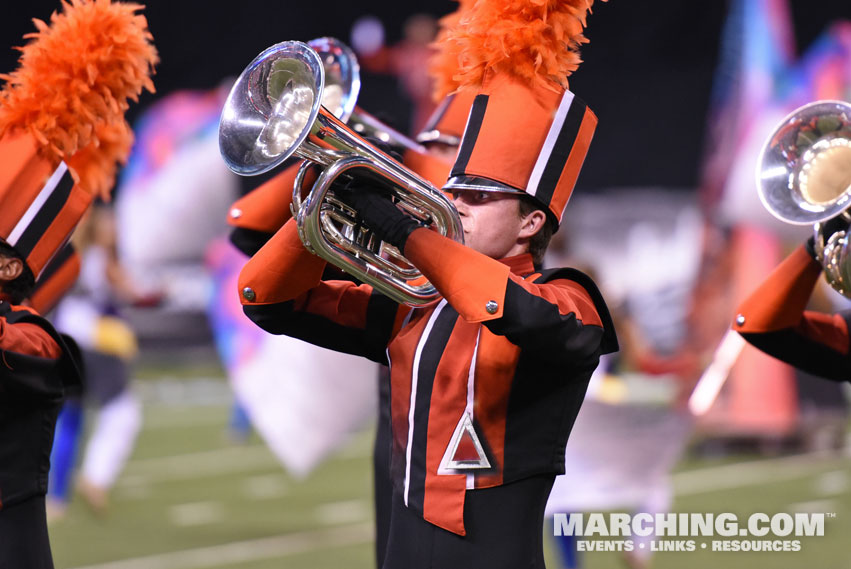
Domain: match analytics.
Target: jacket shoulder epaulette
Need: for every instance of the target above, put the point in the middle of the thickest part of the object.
(610, 338)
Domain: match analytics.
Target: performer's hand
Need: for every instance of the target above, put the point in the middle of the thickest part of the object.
(377, 211)
(829, 227)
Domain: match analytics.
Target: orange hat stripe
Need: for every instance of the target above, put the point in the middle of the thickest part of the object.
(510, 140)
(61, 227)
(58, 277)
(22, 173)
(570, 173)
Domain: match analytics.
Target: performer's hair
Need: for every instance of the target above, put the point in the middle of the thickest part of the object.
(21, 287)
(539, 242)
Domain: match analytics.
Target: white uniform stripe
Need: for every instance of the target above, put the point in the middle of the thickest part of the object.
(414, 379)
(37, 204)
(471, 397)
(549, 143)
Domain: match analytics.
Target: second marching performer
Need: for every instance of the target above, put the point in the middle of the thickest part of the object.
(486, 382)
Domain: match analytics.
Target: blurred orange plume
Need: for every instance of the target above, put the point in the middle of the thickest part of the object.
(443, 64)
(535, 41)
(73, 84)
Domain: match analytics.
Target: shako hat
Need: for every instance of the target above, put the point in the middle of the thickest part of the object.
(62, 125)
(526, 131)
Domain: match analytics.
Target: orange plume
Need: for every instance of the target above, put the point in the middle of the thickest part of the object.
(73, 84)
(96, 164)
(535, 41)
(443, 64)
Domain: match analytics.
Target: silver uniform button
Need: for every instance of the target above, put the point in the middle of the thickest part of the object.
(236, 213)
(248, 294)
(492, 306)
(740, 319)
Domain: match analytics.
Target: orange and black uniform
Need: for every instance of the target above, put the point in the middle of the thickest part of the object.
(511, 346)
(774, 320)
(36, 368)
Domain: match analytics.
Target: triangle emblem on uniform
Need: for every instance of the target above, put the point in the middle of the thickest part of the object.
(465, 451)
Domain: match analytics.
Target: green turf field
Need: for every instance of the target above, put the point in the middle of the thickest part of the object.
(190, 498)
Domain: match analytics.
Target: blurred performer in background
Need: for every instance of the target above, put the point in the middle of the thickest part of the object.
(62, 129)
(476, 442)
(407, 60)
(633, 426)
(90, 314)
(163, 236)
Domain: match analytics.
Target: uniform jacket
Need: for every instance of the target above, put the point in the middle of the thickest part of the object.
(774, 320)
(36, 367)
(507, 354)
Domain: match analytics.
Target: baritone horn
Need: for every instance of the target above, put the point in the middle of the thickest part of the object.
(804, 177)
(342, 87)
(275, 111)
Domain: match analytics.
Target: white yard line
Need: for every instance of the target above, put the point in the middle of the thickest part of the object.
(218, 462)
(753, 473)
(198, 464)
(237, 459)
(248, 551)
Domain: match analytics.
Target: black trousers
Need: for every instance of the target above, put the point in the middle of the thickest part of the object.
(23, 536)
(504, 530)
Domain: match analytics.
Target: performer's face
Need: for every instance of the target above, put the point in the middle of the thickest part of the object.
(492, 222)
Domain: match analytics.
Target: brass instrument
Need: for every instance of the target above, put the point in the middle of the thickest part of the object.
(275, 111)
(804, 177)
(342, 87)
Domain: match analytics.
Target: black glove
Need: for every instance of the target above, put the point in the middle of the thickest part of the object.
(377, 211)
(829, 227)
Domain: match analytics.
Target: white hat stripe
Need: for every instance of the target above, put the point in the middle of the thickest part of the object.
(549, 143)
(37, 204)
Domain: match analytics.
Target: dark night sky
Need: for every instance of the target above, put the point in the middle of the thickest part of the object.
(647, 72)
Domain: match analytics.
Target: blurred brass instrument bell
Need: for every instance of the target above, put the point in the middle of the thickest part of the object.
(276, 110)
(342, 87)
(804, 177)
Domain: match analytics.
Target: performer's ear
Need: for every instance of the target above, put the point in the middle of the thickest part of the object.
(10, 268)
(533, 222)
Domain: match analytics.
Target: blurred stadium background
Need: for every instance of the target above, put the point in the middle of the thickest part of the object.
(191, 498)
(665, 216)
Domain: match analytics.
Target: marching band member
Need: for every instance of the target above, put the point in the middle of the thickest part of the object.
(773, 318)
(91, 314)
(804, 173)
(62, 130)
(485, 383)
(255, 217)
(57, 278)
